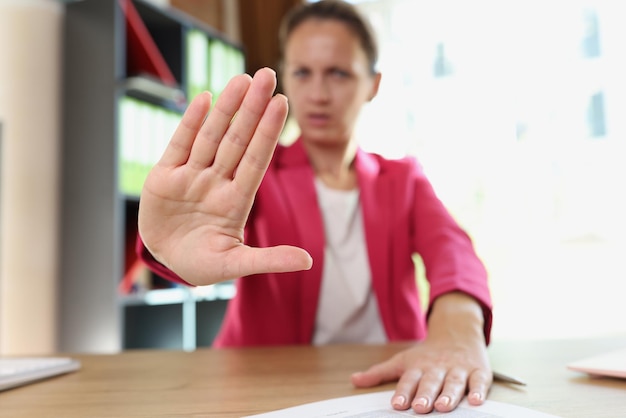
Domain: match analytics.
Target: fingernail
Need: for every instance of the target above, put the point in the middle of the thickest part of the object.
(420, 402)
(398, 401)
(443, 401)
(475, 397)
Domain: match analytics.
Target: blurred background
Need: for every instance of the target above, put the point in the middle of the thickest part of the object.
(513, 108)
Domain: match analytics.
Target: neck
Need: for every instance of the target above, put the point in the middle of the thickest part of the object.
(333, 163)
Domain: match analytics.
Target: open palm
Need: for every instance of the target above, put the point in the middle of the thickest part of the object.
(197, 198)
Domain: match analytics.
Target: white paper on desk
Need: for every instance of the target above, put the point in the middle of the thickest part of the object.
(377, 405)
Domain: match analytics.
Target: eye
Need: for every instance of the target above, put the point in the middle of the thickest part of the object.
(300, 72)
(339, 73)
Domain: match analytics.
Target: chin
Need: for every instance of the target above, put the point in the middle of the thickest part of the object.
(325, 137)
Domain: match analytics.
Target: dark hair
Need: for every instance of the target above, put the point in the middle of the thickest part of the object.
(337, 10)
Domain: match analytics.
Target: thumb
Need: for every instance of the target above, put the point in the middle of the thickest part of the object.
(380, 373)
(279, 259)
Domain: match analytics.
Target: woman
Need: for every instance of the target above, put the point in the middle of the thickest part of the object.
(329, 230)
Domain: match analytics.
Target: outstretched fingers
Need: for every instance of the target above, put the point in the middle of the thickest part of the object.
(259, 153)
(211, 135)
(221, 139)
(244, 126)
(179, 148)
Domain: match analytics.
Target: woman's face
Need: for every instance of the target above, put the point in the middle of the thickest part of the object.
(327, 79)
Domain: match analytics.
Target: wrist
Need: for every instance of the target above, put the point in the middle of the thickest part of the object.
(456, 315)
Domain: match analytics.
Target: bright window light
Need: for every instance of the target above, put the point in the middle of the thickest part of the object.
(521, 129)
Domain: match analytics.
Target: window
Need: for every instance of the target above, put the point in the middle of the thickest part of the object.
(442, 66)
(503, 112)
(591, 37)
(595, 112)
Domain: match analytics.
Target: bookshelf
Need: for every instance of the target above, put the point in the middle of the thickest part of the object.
(130, 68)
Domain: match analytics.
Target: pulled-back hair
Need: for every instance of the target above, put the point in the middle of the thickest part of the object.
(339, 11)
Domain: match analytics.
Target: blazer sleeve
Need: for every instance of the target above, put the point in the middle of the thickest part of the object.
(154, 265)
(447, 251)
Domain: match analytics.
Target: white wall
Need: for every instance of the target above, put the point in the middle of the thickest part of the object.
(30, 113)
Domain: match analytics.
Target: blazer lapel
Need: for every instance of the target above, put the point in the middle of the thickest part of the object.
(374, 188)
(297, 178)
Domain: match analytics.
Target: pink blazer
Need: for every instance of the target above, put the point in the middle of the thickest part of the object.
(402, 216)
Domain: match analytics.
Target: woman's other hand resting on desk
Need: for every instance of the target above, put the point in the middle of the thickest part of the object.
(437, 372)
(196, 200)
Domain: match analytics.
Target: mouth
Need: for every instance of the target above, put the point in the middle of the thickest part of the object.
(318, 119)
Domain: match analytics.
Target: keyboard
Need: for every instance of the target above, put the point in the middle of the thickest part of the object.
(19, 371)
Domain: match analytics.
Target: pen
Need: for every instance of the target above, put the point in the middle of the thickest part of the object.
(507, 378)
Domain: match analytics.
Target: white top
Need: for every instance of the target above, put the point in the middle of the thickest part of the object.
(347, 309)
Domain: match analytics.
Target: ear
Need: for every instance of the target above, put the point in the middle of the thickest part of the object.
(375, 85)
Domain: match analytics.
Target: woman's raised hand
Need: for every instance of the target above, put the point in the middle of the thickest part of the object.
(197, 198)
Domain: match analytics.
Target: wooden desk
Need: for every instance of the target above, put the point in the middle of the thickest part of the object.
(234, 383)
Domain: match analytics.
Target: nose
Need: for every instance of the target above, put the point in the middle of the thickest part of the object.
(319, 89)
